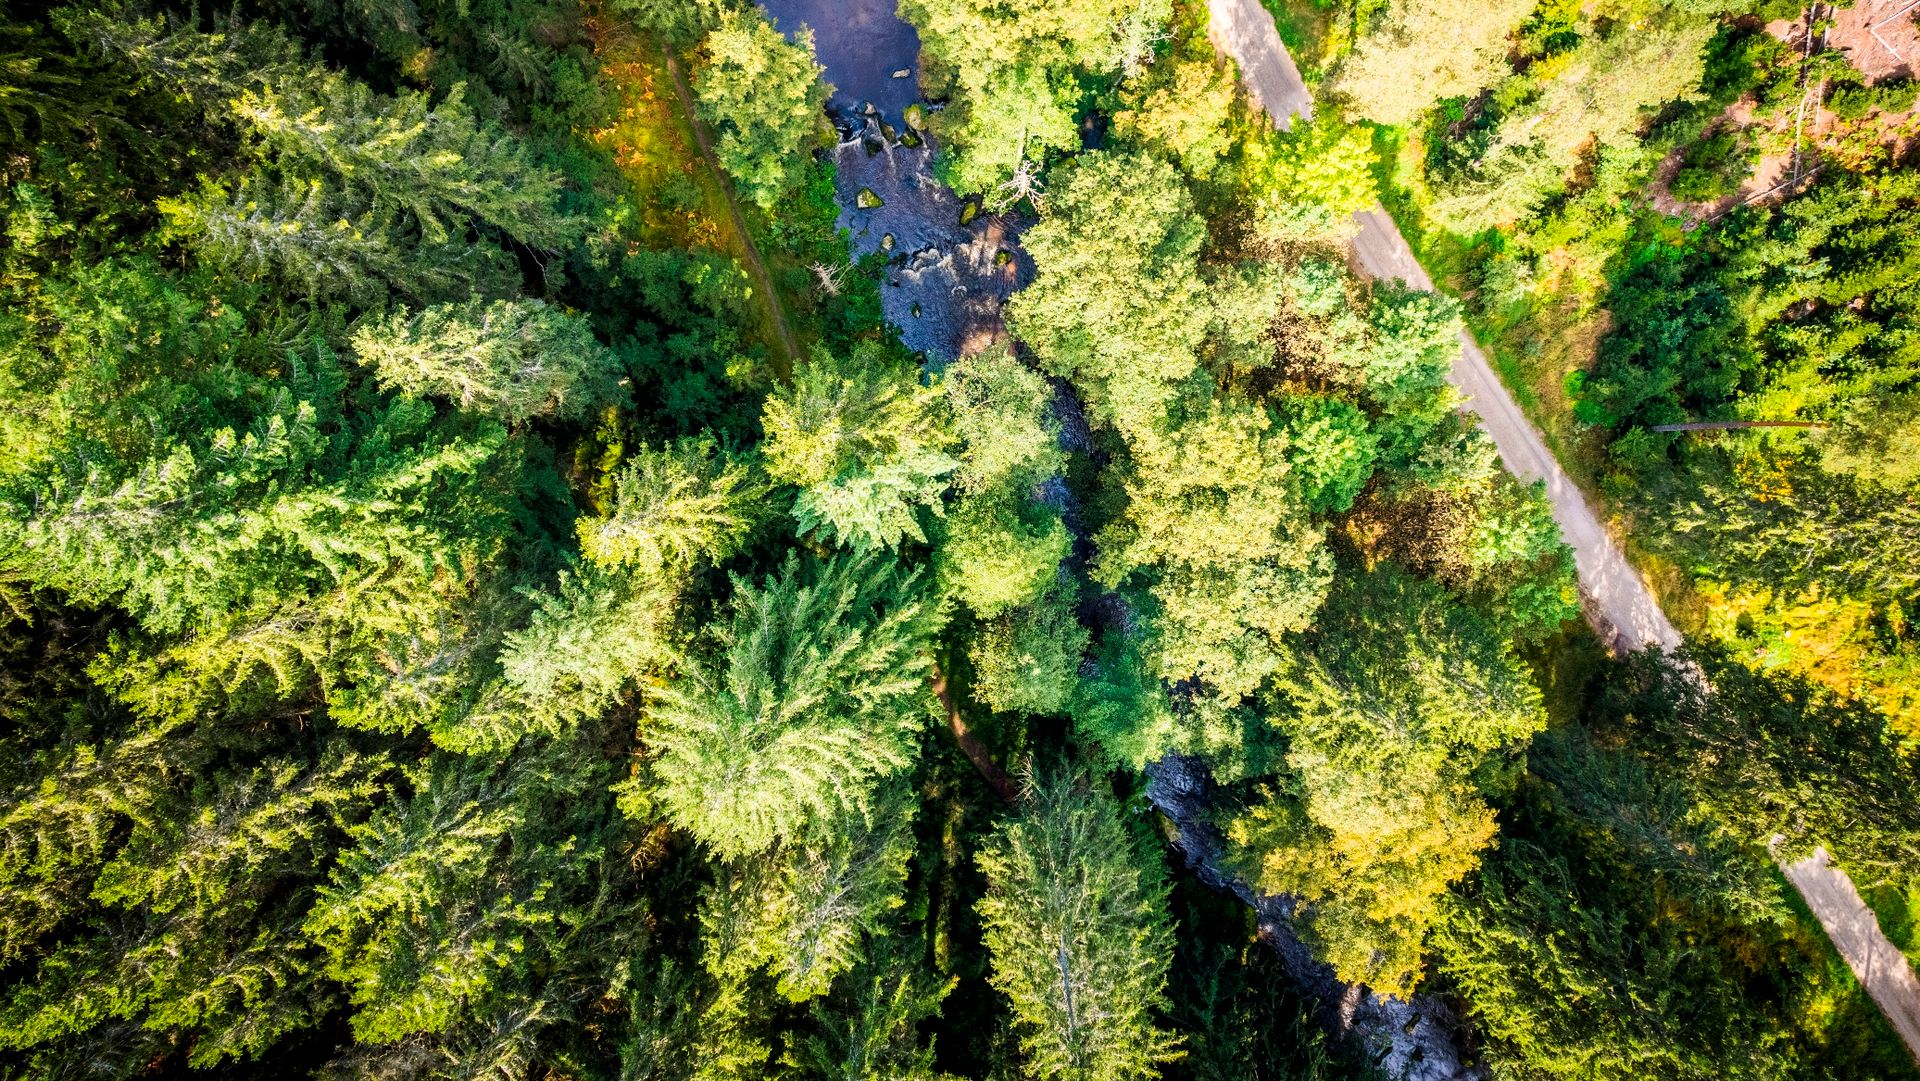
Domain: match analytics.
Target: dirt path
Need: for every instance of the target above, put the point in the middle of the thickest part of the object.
(970, 745)
(1242, 29)
(789, 344)
(1618, 603)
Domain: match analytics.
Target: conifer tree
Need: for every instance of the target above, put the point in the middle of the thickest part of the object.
(675, 505)
(208, 890)
(320, 238)
(453, 901)
(508, 359)
(436, 163)
(871, 1032)
(804, 911)
(865, 442)
(816, 697)
(1075, 919)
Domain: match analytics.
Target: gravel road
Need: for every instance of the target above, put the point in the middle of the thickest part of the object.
(1617, 601)
(1880, 967)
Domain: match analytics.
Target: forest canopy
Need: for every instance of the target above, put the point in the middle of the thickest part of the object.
(487, 591)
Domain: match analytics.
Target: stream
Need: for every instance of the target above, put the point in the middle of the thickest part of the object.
(944, 288)
(945, 282)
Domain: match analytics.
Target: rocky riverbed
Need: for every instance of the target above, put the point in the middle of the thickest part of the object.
(951, 265)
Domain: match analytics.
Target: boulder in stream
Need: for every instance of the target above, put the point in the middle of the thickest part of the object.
(868, 199)
(915, 116)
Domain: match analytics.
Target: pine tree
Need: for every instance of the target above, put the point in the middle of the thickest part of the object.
(435, 163)
(673, 506)
(508, 359)
(1075, 920)
(207, 937)
(583, 644)
(817, 696)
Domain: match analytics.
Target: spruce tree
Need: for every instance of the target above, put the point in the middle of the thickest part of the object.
(675, 505)
(1075, 920)
(508, 359)
(815, 698)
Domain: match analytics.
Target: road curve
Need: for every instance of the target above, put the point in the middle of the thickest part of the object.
(1617, 601)
(1243, 30)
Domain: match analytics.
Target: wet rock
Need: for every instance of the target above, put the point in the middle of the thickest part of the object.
(915, 309)
(888, 132)
(873, 145)
(886, 241)
(909, 140)
(969, 212)
(903, 73)
(868, 199)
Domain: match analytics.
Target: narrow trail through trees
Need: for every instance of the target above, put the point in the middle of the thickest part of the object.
(776, 311)
(970, 745)
(1618, 603)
